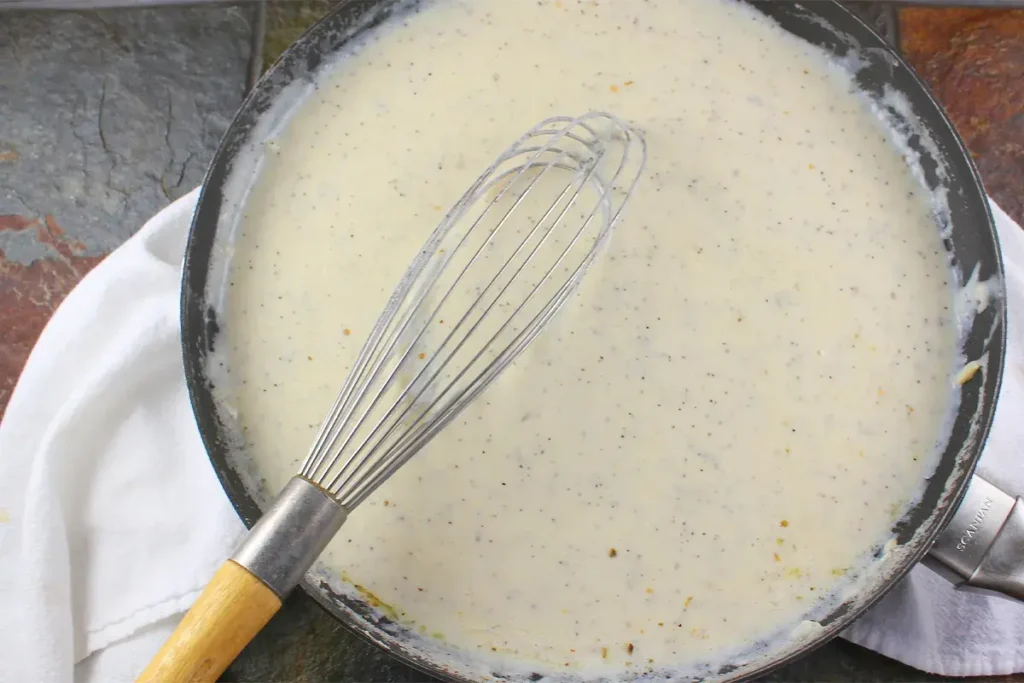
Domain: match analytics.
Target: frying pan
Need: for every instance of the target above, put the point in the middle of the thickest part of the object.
(977, 531)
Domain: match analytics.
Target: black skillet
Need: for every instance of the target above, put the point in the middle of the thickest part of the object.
(970, 239)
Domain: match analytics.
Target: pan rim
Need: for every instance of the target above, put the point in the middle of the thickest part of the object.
(199, 325)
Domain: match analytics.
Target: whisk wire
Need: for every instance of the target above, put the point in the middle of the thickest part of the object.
(345, 404)
(379, 358)
(415, 437)
(341, 410)
(423, 387)
(415, 381)
(366, 439)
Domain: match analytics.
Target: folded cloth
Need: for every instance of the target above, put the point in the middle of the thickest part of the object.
(111, 518)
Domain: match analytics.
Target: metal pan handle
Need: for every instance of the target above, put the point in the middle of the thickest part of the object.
(982, 547)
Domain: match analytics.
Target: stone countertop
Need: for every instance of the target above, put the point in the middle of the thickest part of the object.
(107, 116)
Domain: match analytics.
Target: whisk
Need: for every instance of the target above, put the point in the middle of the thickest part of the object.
(500, 264)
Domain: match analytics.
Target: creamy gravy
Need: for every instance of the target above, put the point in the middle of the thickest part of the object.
(724, 422)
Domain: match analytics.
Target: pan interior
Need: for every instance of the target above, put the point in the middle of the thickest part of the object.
(941, 166)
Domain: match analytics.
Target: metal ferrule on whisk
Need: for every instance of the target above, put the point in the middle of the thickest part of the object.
(288, 538)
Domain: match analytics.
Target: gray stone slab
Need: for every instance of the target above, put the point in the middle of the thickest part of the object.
(107, 116)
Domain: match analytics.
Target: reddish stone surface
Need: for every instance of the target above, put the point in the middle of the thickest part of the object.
(30, 293)
(973, 60)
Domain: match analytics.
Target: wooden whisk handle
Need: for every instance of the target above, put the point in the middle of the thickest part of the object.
(229, 612)
(246, 591)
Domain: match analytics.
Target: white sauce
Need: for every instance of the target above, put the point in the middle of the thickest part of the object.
(744, 394)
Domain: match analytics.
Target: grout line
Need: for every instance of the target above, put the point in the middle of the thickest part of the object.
(256, 38)
(882, 17)
(894, 21)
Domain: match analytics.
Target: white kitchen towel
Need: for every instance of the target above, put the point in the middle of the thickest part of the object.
(111, 518)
